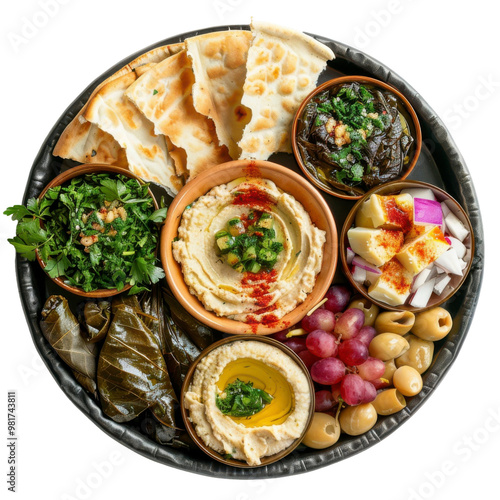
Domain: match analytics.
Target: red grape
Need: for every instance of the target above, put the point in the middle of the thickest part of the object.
(328, 371)
(371, 369)
(281, 336)
(338, 297)
(321, 319)
(322, 344)
(308, 358)
(352, 389)
(366, 335)
(324, 401)
(350, 323)
(336, 392)
(378, 383)
(296, 344)
(353, 352)
(370, 392)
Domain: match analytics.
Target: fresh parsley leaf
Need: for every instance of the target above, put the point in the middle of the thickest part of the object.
(242, 399)
(113, 189)
(357, 172)
(17, 212)
(57, 267)
(155, 92)
(145, 272)
(158, 215)
(26, 251)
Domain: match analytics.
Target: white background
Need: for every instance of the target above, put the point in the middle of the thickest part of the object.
(448, 52)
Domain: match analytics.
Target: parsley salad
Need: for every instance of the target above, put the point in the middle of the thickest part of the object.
(99, 231)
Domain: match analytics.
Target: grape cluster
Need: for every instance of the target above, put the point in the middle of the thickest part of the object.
(334, 348)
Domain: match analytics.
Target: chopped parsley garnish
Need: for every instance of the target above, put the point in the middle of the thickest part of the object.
(155, 92)
(98, 231)
(242, 399)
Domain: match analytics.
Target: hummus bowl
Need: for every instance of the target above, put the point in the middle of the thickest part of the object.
(269, 434)
(226, 295)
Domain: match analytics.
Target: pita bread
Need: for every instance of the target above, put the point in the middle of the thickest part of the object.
(219, 65)
(164, 95)
(84, 142)
(147, 153)
(282, 68)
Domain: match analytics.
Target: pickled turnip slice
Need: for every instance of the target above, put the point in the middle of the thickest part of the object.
(423, 294)
(455, 227)
(450, 262)
(363, 264)
(349, 255)
(359, 274)
(426, 212)
(440, 284)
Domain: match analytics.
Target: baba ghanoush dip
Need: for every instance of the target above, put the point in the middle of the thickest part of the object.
(249, 251)
(248, 400)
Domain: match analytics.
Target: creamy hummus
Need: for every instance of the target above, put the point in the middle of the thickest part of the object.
(263, 297)
(247, 439)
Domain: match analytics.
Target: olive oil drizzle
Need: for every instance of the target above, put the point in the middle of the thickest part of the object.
(266, 378)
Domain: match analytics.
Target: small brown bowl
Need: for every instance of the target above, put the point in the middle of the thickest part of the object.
(405, 109)
(287, 181)
(64, 177)
(394, 188)
(191, 428)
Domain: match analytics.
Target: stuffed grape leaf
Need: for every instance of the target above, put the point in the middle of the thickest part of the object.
(62, 330)
(96, 319)
(132, 374)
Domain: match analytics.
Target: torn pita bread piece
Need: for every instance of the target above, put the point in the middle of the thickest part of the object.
(282, 68)
(164, 95)
(83, 142)
(219, 64)
(87, 143)
(146, 152)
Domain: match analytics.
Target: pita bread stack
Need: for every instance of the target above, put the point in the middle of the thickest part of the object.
(180, 109)
(164, 95)
(84, 142)
(147, 153)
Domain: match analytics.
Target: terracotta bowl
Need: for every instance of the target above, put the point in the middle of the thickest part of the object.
(191, 428)
(394, 188)
(63, 178)
(405, 109)
(287, 181)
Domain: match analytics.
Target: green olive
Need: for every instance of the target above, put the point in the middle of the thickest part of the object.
(388, 402)
(369, 309)
(323, 432)
(399, 322)
(433, 324)
(387, 346)
(419, 355)
(407, 381)
(390, 368)
(356, 420)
